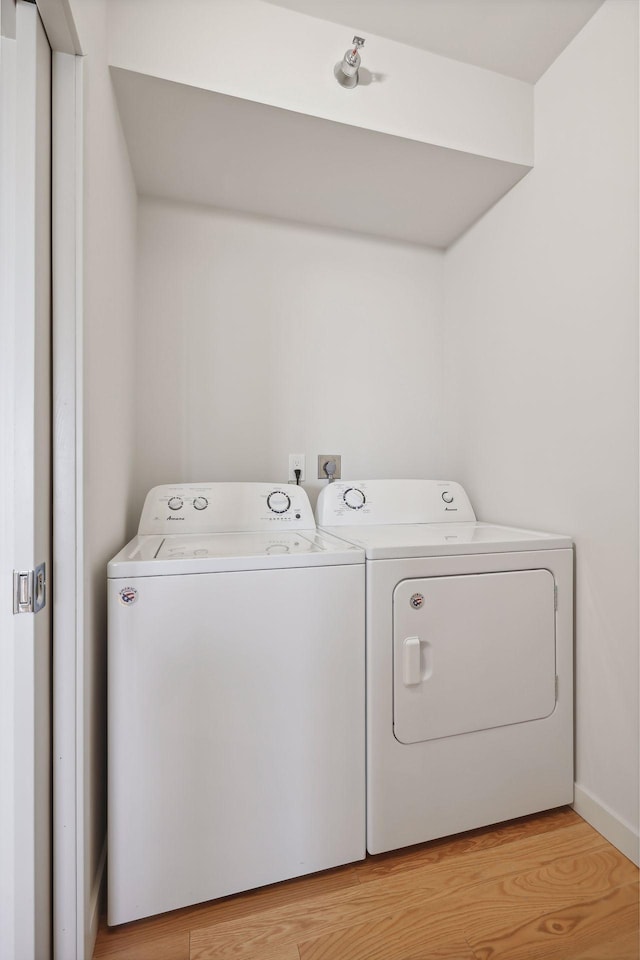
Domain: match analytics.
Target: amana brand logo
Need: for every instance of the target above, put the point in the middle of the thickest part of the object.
(417, 600)
(128, 595)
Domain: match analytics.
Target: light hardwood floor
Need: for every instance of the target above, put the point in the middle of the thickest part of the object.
(546, 887)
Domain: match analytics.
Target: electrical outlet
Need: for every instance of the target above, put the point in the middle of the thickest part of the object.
(329, 458)
(296, 462)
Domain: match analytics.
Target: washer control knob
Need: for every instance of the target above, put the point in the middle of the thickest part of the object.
(354, 498)
(200, 503)
(278, 502)
(447, 497)
(175, 503)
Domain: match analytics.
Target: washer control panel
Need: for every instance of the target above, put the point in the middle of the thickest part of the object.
(225, 508)
(392, 501)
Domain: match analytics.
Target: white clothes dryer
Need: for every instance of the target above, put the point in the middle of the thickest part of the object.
(235, 698)
(469, 660)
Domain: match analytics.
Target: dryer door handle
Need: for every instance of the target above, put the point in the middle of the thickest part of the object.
(411, 670)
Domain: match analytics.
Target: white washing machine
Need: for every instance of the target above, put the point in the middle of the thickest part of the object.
(235, 698)
(469, 660)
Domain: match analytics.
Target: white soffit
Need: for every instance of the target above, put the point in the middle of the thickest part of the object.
(518, 38)
(203, 147)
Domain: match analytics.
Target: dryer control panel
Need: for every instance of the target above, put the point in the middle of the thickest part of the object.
(356, 502)
(225, 508)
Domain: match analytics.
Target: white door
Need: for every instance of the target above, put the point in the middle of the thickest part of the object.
(472, 652)
(25, 483)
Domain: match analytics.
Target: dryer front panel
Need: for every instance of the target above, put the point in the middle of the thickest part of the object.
(472, 652)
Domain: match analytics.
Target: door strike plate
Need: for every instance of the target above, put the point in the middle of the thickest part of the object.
(29, 589)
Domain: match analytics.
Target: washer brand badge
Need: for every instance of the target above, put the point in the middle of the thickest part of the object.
(128, 595)
(417, 600)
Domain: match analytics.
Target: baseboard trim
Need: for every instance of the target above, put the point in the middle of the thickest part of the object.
(96, 900)
(614, 829)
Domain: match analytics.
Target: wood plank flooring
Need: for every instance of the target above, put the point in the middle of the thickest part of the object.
(546, 887)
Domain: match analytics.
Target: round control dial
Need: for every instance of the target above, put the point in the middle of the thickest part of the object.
(447, 497)
(175, 503)
(200, 503)
(354, 498)
(278, 502)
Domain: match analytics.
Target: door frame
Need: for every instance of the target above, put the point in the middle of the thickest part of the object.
(75, 896)
(72, 928)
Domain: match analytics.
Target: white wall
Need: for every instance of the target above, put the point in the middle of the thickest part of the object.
(110, 209)
(541, 378)
(259, 338)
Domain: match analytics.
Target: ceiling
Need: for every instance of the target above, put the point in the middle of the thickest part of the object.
(518, 38)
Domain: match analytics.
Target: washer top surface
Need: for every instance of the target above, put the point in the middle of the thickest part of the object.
(154, 556)
(395, 519)
(217, 527)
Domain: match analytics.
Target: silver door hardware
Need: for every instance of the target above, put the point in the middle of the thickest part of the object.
(29, 589)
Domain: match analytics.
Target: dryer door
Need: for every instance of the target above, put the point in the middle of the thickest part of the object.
(472, 652)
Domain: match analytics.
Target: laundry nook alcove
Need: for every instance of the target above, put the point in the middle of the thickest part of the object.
(421, 270)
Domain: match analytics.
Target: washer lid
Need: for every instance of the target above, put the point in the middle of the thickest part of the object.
(153, 556)
(399, 541)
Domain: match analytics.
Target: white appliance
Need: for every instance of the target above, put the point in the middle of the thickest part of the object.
(469, 660)
(235, 698)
